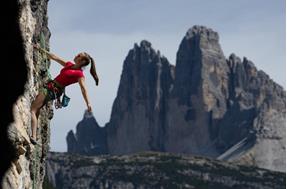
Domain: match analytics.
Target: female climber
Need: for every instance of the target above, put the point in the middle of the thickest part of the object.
(70, 73)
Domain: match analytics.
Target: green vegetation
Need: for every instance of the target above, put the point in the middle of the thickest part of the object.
(156, 170)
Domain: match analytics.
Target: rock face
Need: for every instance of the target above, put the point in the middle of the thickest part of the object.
(27, 170)
(155, 170)
(12, 57)
(206, 105)
(85, 143)
(216, 105)
(138, 116)
(258, 107)
(199, 94)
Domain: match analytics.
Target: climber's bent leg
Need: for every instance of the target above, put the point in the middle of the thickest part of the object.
(35, 109)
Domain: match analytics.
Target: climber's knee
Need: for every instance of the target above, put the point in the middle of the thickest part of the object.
(38, 113)
(38, 102)
(34, 109)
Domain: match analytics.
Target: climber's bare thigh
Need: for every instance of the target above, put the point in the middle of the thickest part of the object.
(38, 102)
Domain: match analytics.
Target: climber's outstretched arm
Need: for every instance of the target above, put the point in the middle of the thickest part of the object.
(84, 92)
(56, 58)
(51, 55)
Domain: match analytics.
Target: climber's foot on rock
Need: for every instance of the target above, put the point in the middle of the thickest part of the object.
(33, 141)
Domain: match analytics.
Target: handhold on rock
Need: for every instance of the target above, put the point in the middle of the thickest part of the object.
(21, 150)
(26, 140)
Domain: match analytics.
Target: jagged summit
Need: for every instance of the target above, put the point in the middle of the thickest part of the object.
(144, 48)
(202, 31)
(90, 138)
(235, 63)
(88, 115)
(233, 57)
(245, 61)
(145, 43)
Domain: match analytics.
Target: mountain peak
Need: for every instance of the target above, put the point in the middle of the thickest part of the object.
(145, 43)
(234, 58)
(202, 31)
(89, 139)
(88, 115)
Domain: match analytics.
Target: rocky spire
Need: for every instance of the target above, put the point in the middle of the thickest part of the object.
(90, 138)
(199, 93)
(200, 68)
(138, 112)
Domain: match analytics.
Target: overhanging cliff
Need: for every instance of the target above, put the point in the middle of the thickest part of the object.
(27, 170)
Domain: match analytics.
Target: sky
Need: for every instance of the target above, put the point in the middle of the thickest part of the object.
(108, 29)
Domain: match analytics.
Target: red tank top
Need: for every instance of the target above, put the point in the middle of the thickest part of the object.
(68, 75)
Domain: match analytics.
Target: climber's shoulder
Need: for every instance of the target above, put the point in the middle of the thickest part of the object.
(69, 63)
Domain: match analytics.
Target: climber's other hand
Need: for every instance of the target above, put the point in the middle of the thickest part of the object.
(89, 108)
(97, 81)
(38, 47)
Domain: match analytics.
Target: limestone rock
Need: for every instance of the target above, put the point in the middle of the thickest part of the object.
(28, 169)
(138, 114)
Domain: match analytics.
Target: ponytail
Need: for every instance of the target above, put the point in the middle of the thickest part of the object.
(93, 70)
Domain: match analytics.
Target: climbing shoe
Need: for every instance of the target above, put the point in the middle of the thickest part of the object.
(34, 142)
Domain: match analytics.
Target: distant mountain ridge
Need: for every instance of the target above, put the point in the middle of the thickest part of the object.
(206, 105)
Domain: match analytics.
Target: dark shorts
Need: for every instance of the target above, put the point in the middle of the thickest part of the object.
(51, 91)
